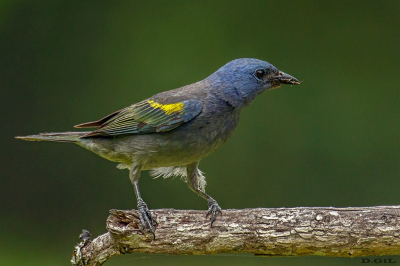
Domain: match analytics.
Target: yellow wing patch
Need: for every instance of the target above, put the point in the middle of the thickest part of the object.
(168, 108)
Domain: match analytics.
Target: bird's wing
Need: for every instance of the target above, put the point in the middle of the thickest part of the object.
(145, 117)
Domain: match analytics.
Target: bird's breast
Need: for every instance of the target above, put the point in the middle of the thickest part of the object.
(191, 141)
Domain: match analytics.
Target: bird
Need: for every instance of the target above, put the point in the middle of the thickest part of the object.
(170, 132)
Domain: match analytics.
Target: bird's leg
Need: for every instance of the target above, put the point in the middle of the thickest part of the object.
(196, 182)
(145, 215)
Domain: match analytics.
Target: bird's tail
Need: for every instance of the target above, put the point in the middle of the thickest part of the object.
(58, 137)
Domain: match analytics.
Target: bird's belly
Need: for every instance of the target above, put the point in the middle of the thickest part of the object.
(178, 147)
(174, 150)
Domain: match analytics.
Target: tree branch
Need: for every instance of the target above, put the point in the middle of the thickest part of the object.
(339, 232)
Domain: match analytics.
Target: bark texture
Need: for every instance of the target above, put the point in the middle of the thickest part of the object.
(340, 232)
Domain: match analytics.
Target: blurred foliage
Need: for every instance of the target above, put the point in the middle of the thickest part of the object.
(332, 141)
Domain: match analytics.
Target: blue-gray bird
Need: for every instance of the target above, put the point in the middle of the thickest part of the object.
(170, 132)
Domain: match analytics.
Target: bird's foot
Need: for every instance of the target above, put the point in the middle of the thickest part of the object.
(213, 210)
(147, 219)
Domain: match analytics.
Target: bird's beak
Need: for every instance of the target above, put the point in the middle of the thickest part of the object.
(283, 78)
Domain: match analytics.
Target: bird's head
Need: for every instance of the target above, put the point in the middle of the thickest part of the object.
(240, 81)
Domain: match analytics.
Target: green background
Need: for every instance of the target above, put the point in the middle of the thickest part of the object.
(332, 141)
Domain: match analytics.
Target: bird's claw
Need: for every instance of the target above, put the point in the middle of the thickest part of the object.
(213, 210)
(147, 219)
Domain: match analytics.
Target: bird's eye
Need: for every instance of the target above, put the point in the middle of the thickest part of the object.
(259, 73)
